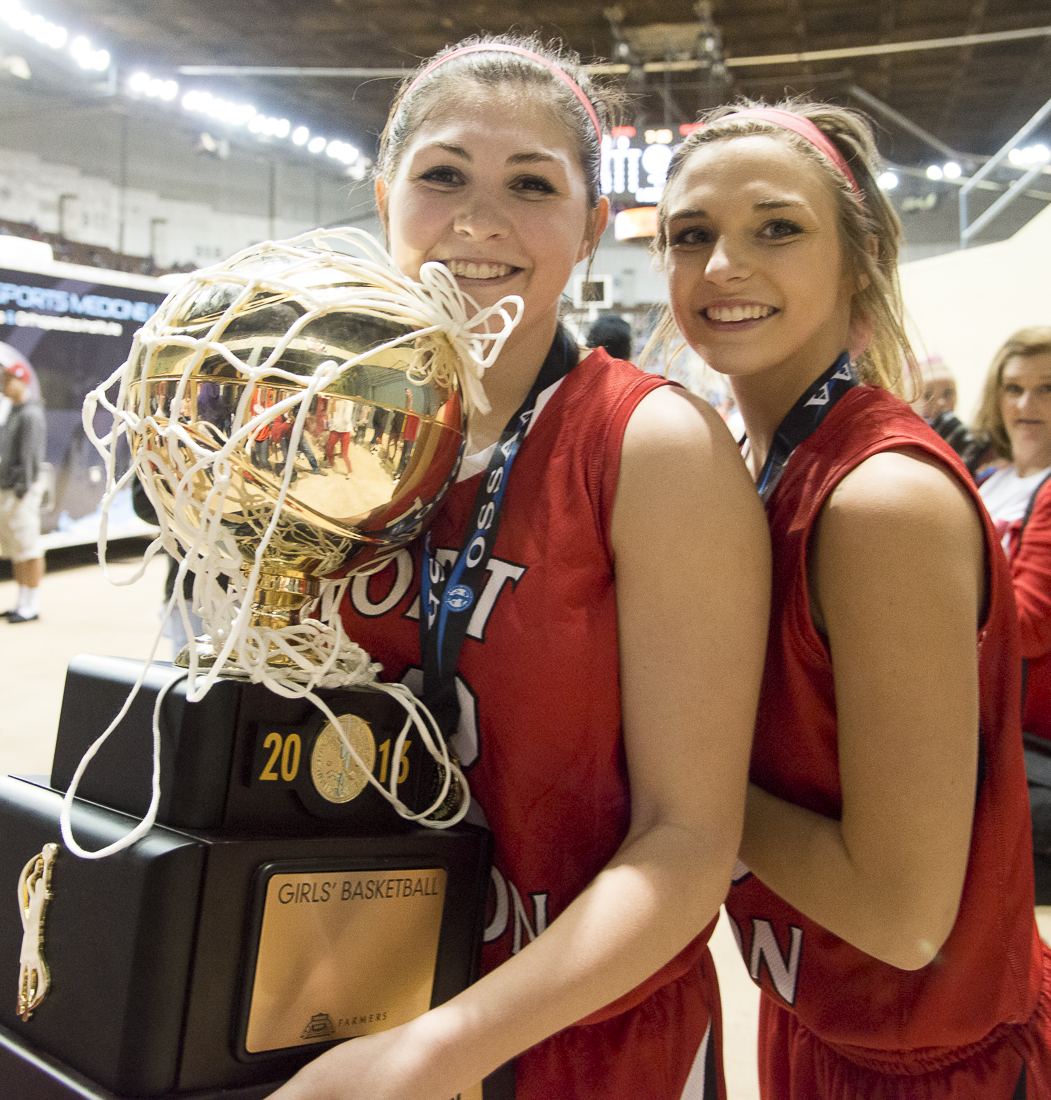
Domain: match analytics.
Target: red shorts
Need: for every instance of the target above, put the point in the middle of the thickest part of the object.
(794, 1064)
(667, 1048)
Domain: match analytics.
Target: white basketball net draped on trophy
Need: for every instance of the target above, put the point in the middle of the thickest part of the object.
(316, 652)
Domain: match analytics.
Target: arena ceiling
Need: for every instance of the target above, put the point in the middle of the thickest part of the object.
(969, 96)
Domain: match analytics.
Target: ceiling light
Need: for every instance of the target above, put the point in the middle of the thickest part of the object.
(951, 170)
(201, 102)
(47, 34)
(1029, 156)
(51, 34)
(36, 26)
(234, 114)
(16, 66)
(887, 181)
(341, 151)
(154, 87)
(934, 172)
(86, 56)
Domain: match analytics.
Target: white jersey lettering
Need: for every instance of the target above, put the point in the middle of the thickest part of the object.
(359, 589)
(497, 574)
(784, 973)
(505, 895)
(501, 907)
(522, 919)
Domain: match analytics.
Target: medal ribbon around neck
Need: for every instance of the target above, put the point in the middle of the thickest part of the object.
(803, 419)
(447, 602)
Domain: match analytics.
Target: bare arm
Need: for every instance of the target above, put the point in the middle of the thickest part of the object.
(897, 575)
(692, 593)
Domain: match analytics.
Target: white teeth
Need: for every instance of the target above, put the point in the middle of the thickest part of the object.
(738, 313)
(478, 270)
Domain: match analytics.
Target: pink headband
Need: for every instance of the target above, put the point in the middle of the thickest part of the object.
(805, 129)
(500, 47)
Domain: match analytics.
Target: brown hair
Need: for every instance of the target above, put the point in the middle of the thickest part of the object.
(864, 216)
(417, 94)
(990, 419)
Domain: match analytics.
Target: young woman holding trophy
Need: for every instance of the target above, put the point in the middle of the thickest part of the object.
(590, 624)
(885, 896)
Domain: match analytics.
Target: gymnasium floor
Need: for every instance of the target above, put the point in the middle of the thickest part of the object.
(81, 612)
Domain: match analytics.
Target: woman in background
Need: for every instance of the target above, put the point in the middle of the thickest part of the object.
(1016, 416)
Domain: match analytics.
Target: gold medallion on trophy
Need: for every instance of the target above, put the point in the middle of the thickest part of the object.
(336, 776)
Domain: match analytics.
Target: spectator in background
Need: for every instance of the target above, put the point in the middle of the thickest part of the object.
(22, 484)
(937, 388)
(936, 403)
(1016, 415)
(613, 333)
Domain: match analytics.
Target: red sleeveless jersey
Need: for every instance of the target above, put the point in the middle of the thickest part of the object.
(539, 736)
(990, 969)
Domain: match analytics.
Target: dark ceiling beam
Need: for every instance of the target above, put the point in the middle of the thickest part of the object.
(881, 48)
(794, 10)
(613, 69)
(907, 124)
(963, 59)
(885, 64)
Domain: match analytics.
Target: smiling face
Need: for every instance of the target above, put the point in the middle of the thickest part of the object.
(491, 186)
(1025, 402)
(756, 271)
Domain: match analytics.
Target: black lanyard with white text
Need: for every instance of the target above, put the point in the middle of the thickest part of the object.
(447, 598)
(803, 419)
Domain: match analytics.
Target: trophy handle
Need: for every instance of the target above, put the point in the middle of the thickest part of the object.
(34, 892)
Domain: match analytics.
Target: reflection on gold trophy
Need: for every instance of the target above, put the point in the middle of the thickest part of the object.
(310, 435)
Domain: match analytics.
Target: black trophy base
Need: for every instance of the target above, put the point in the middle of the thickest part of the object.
(194, 961)
(29, 1074)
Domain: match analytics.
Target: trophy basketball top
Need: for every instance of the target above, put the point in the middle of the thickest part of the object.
(300, 409)
(286, 362)
(297, 410)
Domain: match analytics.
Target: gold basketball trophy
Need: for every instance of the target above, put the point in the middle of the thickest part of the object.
(300, 874)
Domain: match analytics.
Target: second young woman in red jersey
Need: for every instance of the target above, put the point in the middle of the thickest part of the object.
(884, 896)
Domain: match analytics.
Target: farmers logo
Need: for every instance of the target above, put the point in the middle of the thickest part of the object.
(320, 1027)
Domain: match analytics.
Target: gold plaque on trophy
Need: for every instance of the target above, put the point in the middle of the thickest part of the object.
(343, 953)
